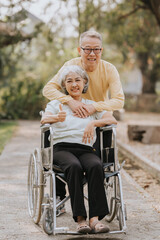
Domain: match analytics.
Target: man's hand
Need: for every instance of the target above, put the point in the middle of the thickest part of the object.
(89, 108)
(80, 109)
(61, 115)
(88, 133)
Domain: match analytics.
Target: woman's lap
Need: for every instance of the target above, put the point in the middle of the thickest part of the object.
(73, 165)
(85, 161)
(65, 159)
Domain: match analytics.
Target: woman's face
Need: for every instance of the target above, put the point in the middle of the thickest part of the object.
(74, 84)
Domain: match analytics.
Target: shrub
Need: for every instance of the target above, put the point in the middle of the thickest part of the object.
(22, 99)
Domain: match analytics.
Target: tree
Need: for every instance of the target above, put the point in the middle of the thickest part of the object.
(152, 5)
(9, 31)
(89, 15)
(25, 66)
(134, 33)
(12, 33)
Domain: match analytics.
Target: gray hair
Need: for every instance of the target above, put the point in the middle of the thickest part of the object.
(76, 69)
(92, 34)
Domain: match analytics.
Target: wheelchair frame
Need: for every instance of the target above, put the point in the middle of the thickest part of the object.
(40, 169)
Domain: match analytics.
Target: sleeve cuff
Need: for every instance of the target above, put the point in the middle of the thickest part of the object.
(65, 99)
(97, 107)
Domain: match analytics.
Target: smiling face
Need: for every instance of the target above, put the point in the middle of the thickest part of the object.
(90, 61)
(74, 85)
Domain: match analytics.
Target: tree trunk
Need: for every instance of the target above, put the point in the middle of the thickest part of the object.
(154, 7)
(149, 75)
(148, 84)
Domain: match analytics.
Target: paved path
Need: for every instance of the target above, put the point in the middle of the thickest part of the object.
(15, 224)
(149, 151)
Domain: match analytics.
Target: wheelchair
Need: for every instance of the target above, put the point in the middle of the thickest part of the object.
(42, 174)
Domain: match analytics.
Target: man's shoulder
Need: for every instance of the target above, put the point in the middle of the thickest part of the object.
(74, 61)
(104, 63)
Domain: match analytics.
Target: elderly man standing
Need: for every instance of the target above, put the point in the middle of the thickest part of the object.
(103, 79)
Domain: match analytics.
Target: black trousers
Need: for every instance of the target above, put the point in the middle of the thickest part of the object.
(75, 159)
(60, 186)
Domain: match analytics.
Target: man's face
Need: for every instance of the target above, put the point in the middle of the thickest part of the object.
(91, 59)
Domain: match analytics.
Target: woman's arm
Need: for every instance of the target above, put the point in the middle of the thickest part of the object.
(107, 119)
(49, 117)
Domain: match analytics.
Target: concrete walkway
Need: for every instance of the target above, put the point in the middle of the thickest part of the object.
(15, 224)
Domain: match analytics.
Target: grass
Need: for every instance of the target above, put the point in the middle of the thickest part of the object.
(7, 129)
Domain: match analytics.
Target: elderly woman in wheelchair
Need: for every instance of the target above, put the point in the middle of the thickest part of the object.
(73, 151)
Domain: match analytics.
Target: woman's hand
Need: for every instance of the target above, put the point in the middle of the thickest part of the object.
(88, 133)
(48, 117)
(61, 115)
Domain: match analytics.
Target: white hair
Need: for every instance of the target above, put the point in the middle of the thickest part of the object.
(90, 33)
(76, 69)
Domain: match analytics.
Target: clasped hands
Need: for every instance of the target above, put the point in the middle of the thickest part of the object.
(80, 109)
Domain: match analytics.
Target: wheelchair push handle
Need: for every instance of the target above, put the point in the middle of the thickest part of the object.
(41, 113)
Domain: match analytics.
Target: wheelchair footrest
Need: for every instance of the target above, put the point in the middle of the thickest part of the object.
(108, 174)
(61, 230)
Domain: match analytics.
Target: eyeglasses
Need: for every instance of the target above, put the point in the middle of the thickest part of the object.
(89, 50)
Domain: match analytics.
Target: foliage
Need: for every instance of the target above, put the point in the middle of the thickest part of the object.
(128, 33)
(147, 5)
(129, 38)
(24, 70)
(10, 31)
(137, 40)
(22, 100)
(89, 14)
(7, 128)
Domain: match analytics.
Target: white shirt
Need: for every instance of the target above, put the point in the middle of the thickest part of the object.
(72, 129)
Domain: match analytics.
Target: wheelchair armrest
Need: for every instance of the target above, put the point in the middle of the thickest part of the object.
(45, 127)
(108, 127)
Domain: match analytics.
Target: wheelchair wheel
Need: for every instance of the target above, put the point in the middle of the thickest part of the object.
(35, 186)
(110, 188)
(47, 220)
(31, 183)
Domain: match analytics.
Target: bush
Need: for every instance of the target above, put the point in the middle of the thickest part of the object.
(22, 99)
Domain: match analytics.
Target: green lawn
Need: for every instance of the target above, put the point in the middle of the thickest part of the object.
(7, 129)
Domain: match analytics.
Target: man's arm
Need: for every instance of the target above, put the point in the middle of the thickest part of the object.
(52, 91)
(111, 104)
(116, 100)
